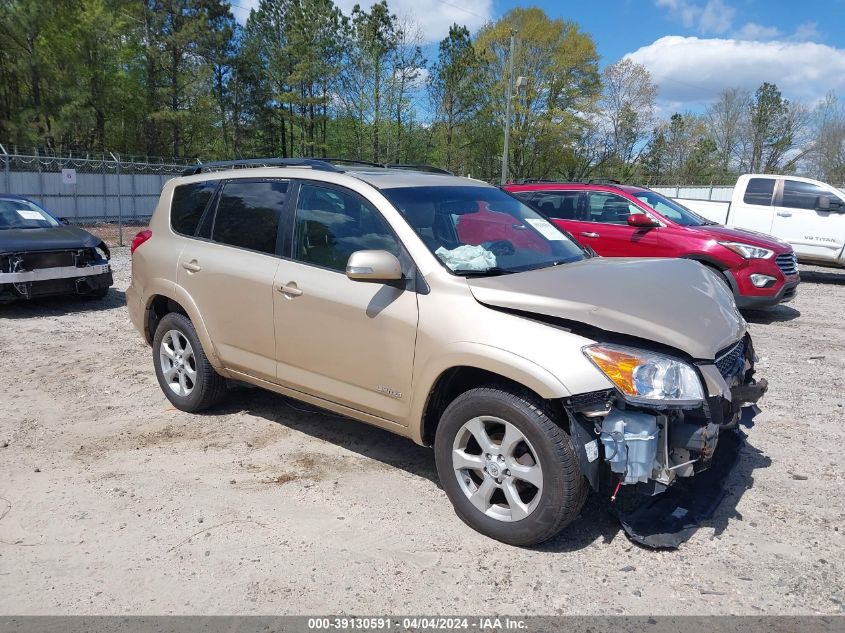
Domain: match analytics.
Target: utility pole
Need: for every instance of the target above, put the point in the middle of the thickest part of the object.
(505, 150)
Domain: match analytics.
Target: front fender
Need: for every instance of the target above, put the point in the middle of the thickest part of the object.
(480, 356)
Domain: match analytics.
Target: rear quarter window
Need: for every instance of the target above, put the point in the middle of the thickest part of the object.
(188, 205)
(248, 214)
(759, 191)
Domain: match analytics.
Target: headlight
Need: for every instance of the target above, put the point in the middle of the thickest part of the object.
(747, 251)
(645, 377)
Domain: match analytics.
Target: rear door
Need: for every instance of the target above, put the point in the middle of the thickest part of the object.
(568, 210)
(229, 269)
(348, 342)
(812, 232)
(755, 211)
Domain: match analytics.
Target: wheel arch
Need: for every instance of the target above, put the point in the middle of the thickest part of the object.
(448, 383)
(162, 303)
(707, 260)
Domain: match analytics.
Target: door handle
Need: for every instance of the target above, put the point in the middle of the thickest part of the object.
(290, 290)
(589, 234)
(784, 214)
(192, 266)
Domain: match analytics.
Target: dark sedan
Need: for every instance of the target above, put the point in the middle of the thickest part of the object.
(41, 256)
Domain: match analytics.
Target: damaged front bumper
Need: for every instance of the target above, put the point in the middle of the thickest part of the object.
(31, 274)
(620, 444)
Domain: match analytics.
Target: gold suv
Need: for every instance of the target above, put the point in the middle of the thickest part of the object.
(445, 310)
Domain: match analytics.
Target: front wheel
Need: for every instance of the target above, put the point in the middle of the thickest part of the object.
(182, 368)
(509, 470)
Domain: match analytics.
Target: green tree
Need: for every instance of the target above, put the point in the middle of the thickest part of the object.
(561, 65)
(374, 37)
(775, 126)
(455, 84)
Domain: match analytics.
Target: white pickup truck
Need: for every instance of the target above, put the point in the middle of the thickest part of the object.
(808, 214)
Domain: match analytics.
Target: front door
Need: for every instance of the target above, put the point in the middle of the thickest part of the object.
(229, 273)
(346, 341)
(813, 233)
(609, 232)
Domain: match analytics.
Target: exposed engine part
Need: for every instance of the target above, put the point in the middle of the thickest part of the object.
(630, 440)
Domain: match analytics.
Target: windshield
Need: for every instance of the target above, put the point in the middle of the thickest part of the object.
(22, 214)
(482, 230)
(670, 209)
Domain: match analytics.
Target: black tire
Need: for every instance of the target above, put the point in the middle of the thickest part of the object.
(209, 387)
(720, 275)
(564, 489)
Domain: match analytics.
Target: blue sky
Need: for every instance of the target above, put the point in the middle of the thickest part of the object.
(693, 48)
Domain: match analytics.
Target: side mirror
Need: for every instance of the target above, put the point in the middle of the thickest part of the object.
(63, 221)
(641, 220)
(823, 203)
(374, 266)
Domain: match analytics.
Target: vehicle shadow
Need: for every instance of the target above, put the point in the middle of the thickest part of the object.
(737, 483)
(777, 314)
(363, 439)
(57, 306)
(598, 519)
(832, 276)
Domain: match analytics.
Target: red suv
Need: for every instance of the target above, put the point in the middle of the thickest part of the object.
(625, 221)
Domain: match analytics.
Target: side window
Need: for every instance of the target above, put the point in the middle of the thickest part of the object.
(561, 205)
(609, 208)
(759, 191)
(188, 205)
(802, 195)
(331, 224)
(248, 214)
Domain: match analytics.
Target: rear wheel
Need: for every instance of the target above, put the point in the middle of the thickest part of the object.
(182, 368)
(510, 472)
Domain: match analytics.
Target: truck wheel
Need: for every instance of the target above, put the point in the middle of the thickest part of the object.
(510, 472)
(182, 368)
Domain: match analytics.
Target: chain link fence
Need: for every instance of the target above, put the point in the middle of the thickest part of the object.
(87, 190)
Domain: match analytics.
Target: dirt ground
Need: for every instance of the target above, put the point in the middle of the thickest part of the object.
(113, 502)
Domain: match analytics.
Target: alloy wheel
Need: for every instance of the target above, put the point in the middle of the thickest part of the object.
(178, 363)
(497, 468)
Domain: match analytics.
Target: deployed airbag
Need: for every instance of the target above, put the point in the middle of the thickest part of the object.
(467, 257)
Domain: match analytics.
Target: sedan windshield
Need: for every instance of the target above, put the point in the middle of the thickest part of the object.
(22, 214)
(482, 230)
(670, 209)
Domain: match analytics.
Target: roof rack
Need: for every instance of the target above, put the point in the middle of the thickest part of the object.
(318, 164)
(603, 181)
(426, 168)
(350, 161)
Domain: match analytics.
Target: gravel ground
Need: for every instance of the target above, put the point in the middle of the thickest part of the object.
(113, 502)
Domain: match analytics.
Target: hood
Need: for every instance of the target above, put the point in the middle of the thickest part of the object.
(55, 238)
(676, 302)
(753, 238)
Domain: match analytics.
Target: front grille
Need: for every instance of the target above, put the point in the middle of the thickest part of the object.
(731, 361)
(589, 399)
(36, 260)
(788, 263)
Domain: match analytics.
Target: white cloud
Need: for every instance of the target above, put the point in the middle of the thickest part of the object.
(757, 32)
(714, 16)
(693, 71)
(434, 17)
(806, 32)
